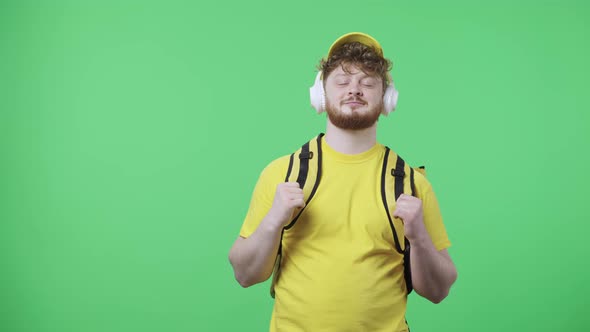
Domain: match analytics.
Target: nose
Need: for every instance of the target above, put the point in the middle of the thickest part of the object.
(354, 90)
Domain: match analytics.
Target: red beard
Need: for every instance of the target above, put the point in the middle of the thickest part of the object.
(354, 121)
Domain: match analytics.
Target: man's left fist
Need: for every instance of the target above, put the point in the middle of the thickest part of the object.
(409, 210)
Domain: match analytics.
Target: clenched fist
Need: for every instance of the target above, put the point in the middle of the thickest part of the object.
(288, 198)
(409, 210)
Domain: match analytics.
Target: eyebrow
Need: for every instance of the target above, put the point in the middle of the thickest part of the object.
(348, 75)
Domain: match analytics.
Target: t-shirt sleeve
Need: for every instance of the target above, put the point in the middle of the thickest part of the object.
(432, 216)
(263, 194)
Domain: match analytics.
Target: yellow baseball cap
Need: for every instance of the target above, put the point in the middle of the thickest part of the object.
(360, 37)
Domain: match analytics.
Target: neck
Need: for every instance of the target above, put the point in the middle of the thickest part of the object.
(350, 141)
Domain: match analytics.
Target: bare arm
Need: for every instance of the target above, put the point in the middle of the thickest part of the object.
(253, 258)
(433, 272)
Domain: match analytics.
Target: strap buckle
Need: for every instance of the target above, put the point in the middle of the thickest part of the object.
(306, 155)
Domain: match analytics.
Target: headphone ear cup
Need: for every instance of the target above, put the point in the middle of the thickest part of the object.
(317, 95)
(389, 99)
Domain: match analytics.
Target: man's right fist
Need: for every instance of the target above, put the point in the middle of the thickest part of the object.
(288, 197)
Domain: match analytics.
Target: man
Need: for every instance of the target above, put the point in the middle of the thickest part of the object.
(339, 268)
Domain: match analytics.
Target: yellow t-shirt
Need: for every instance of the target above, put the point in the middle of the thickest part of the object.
(340, 270)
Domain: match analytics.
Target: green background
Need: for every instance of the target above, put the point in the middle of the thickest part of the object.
(132, 134)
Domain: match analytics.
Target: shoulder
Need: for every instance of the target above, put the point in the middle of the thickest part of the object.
(277, 167)
(273, 174)
(421, 182)
(270, 176)
(424, 189)
(280, 165)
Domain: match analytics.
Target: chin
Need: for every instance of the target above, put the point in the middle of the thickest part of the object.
(351, 110)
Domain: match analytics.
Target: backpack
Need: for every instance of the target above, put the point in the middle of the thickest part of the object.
(305, 167)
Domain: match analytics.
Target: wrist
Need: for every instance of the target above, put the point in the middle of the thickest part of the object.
(271, 224)
(423, 241)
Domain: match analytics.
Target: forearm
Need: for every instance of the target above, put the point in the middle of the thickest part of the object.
(253, 258)
(433, 272)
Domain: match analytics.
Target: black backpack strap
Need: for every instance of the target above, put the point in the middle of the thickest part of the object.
(290, 167)
(304, 156)
(310, 168)
(306, 164)
(400, 173)
(412, 183)
(275, 272)
(384, 196)
(407, 265)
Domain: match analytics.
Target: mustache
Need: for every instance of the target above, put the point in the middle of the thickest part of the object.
(354, 99)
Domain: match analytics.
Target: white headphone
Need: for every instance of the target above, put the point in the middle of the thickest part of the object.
(318, 96)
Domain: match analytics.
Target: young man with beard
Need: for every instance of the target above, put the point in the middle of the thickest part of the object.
(339, 269)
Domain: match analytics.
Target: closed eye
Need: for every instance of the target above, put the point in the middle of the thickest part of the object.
(368, 83)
